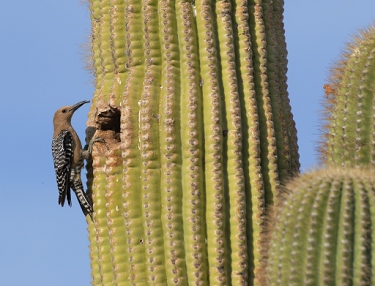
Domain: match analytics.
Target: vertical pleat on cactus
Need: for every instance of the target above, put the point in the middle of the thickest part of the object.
(349, 134)
(191, 100)
(324, 231)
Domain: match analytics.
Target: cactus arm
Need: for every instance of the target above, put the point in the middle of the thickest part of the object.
(348, 136)
(330, 241)
(192, 147)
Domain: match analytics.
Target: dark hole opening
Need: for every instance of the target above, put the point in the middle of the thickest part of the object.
(109, 120)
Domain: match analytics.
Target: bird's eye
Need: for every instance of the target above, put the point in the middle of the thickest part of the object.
(63, 111)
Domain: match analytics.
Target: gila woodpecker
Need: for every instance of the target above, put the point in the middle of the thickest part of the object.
(68, 158)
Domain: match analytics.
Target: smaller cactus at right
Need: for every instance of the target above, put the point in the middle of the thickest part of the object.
(324, 231)
(349, 132)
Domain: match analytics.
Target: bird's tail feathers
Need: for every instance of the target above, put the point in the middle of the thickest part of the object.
(84, 201)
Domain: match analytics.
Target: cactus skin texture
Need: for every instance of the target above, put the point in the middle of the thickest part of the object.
(191, 100)
(324, 232)
(349, 134)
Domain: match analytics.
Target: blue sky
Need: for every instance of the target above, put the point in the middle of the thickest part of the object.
(42, 68)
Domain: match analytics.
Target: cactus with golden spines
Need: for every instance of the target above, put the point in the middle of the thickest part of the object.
(324, 231)
(349, 134)
(191, 101)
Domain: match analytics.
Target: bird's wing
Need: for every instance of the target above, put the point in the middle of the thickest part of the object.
(62, 152)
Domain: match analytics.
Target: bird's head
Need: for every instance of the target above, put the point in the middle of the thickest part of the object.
(65, 113)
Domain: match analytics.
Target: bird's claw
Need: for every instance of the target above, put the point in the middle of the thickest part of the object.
(92, 141)
(88, 147)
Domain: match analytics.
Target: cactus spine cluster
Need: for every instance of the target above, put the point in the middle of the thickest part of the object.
(192, 103)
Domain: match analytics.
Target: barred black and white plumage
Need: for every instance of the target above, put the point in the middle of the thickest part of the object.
(68, 158)
(62, 152)
(68, 175)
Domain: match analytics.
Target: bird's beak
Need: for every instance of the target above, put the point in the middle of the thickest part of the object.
(78, 105)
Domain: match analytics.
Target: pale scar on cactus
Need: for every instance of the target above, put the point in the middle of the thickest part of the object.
(324, 231)
(191, 101)
(349, 132)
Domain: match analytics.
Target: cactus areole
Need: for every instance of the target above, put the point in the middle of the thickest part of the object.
(191, 100)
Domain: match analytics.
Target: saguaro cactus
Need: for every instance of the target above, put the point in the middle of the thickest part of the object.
(324, 232)
(192, 103)
(349, 135)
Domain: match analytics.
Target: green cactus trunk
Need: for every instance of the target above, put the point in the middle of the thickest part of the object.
(324, 232)
(349, 137)
(192, 103)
